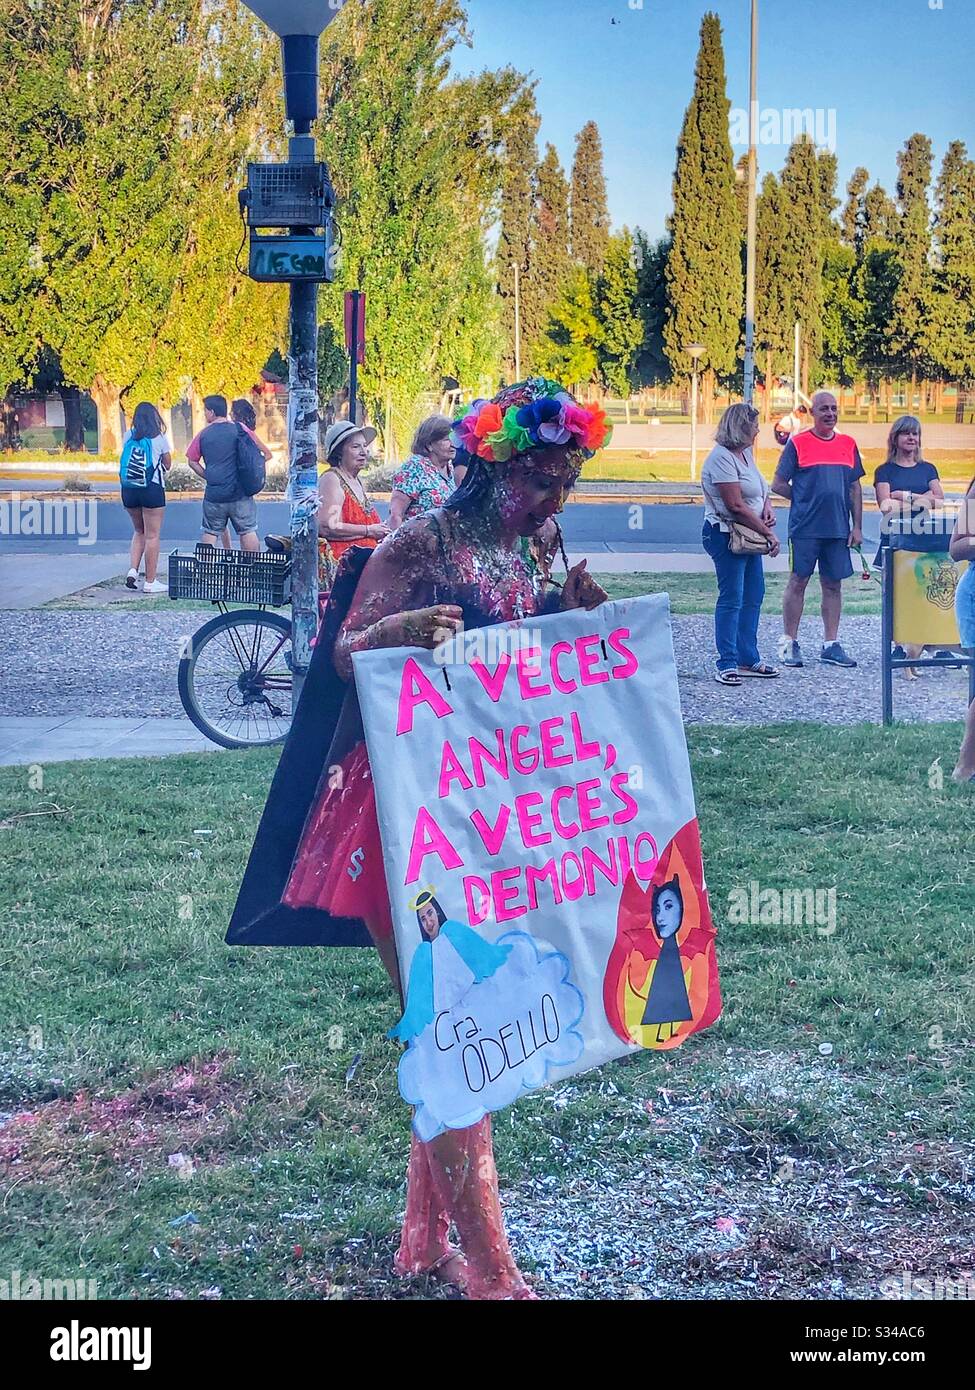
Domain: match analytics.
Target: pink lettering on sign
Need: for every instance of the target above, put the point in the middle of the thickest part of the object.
(428, 838)
(590, 807)
(589, 659)
(529, 663)
(584, 750)
(417, 689)
(630, 664)
(529, 820)
(570, 831)
(567, 687)
(618, 785)
(451, 770)
(478, 898)
(503, 895)
(551, 741)
(492, 836)
(524, 762)
(492, 681)
(645, 867)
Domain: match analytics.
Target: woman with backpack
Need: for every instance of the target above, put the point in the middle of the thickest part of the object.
(146, 459)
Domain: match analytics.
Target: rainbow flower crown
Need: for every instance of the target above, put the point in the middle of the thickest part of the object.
(531, 414)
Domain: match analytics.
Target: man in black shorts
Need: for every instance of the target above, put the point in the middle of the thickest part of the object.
(819, 475)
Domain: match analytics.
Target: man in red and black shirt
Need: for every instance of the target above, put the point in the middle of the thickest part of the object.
(819, 474)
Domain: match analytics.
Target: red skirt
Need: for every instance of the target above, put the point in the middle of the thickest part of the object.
(339, 864)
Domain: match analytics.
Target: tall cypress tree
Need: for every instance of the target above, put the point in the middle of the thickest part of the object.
(549, 262)
(953, 299)
(704, 278)
(852, 217)
(773, 317)
(805, 235)
(911, 304)
(879, 216)
(589, 218)
(514, 238)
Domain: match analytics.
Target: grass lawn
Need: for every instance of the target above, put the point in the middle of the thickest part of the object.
(194, 1119)
(689, 593)
(673, 465)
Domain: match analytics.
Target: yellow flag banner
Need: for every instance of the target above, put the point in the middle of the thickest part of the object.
(924, 597)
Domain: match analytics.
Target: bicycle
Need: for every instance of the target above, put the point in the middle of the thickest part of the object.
(236, 676)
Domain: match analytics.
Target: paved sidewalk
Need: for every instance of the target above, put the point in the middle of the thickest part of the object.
(25, 740)
(28, 580)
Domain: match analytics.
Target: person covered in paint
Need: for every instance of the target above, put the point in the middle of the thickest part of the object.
(316, 873)
(667, 1001)
(449, 960)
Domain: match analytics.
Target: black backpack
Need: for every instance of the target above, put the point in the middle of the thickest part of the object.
(251, 474)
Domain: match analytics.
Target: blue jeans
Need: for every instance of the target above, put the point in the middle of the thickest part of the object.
(741, 589)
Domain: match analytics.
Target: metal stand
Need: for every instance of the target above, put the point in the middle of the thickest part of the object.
(889, 663)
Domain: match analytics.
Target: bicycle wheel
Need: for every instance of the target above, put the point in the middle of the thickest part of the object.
(235, 681)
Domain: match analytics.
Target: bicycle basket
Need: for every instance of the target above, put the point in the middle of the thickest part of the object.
(231, 576)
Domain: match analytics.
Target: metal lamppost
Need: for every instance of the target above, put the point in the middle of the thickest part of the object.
(752, 216)
(297, 196)
(694, 351)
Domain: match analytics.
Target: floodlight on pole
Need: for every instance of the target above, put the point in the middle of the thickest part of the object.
(751, 233)
(297, 195)
(297, 24)
(694, 352)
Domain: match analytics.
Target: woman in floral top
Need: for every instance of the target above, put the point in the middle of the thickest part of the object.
(426, 479)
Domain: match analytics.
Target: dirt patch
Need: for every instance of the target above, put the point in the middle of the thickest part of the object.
(182, 1113)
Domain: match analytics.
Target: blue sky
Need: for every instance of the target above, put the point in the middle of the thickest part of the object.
(886, 68)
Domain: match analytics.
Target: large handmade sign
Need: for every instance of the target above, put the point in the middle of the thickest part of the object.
(542, 854)
(924, 597)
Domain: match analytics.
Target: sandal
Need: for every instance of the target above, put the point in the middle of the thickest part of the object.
(727, 677)
(763, 672)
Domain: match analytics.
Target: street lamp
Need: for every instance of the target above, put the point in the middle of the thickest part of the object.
(694, 351)
(297, 195)
(749, 373)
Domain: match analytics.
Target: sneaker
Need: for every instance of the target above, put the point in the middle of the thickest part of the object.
(132, 579)
(834, 655)
(156, 587)
(790, 653)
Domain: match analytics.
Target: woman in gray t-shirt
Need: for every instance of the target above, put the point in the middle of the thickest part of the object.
(734, 490)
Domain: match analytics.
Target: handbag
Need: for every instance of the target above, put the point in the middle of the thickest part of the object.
(742, 540)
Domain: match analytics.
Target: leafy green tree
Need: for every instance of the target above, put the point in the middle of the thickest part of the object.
(620, 325)
(704, 280)
(651, 367)
(569, 352)
(842, 314)
(417, 158)
(589, 218)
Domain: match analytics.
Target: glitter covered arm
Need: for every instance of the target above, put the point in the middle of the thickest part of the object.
(394, 601)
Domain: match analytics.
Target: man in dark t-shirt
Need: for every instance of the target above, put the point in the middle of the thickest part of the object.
(212, 455)
(819, 475)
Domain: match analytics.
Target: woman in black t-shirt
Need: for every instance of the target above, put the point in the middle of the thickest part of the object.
(906, 485)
